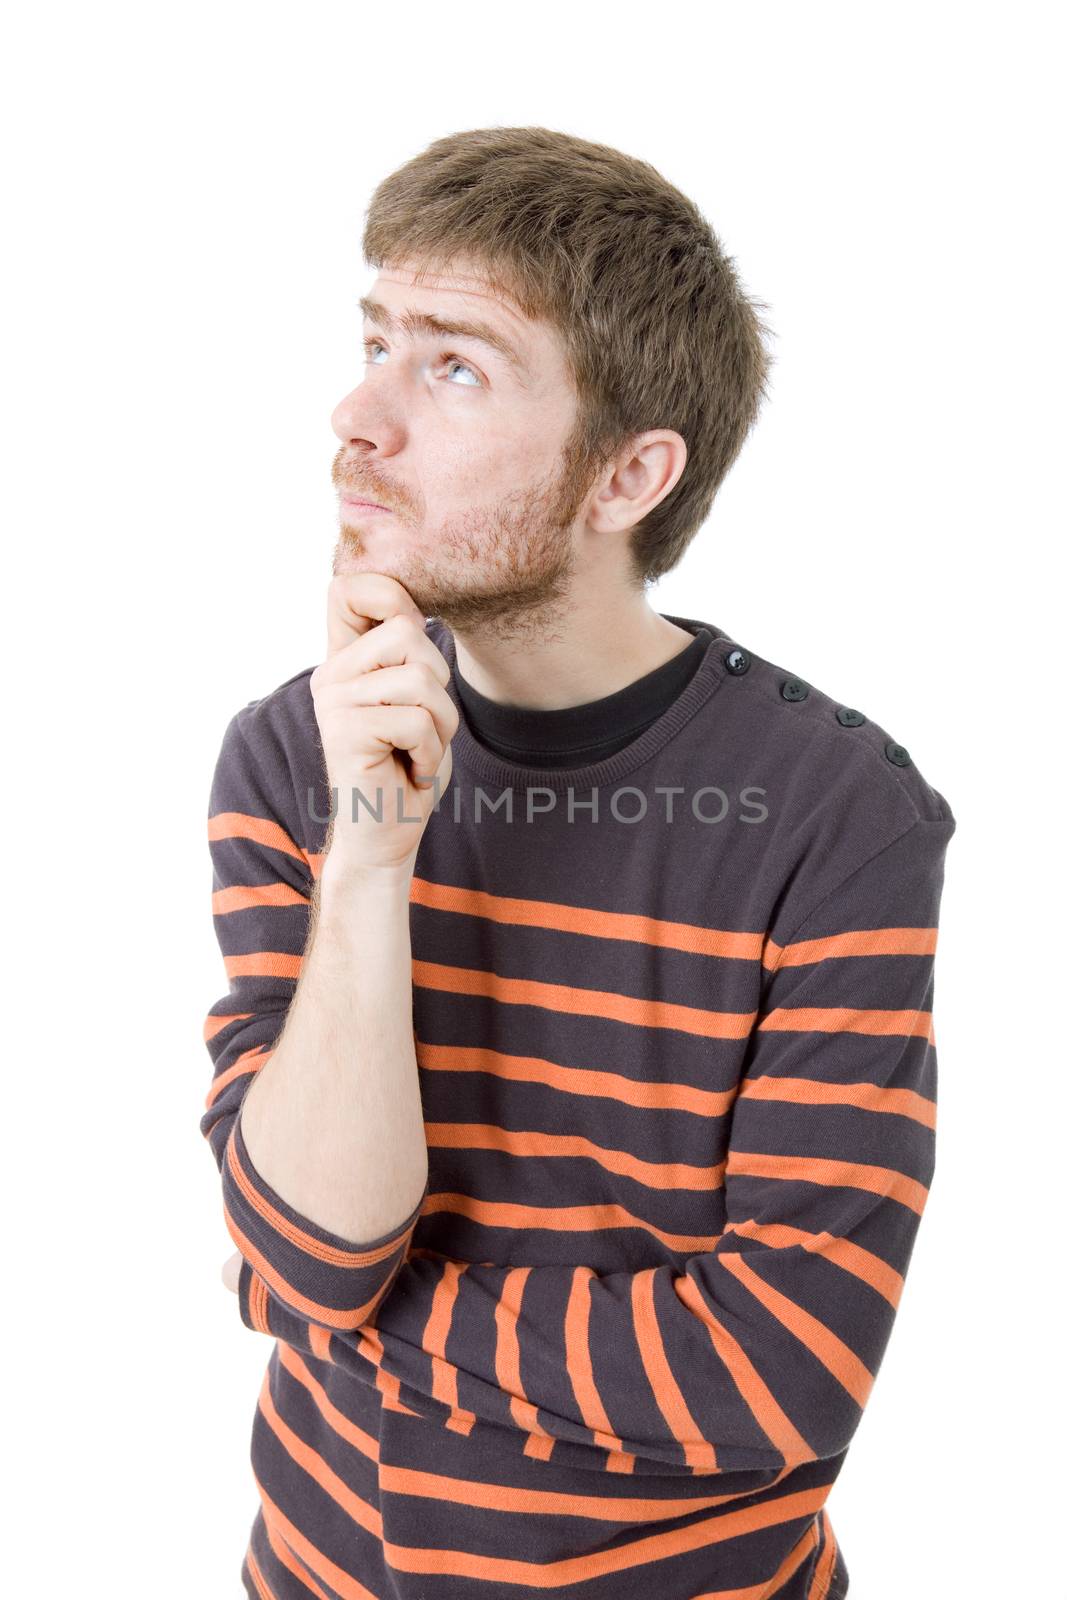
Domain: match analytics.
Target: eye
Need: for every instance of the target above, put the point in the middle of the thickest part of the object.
(372, 346)
(454, 361)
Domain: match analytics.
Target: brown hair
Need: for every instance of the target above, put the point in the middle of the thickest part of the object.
(656, 327)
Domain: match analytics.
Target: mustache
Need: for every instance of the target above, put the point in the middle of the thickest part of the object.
(364, 489)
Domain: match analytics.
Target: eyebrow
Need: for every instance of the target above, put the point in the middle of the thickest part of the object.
(413, 322)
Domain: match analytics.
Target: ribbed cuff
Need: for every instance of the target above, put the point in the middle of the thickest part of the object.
(253, 1297)
(318, 1275)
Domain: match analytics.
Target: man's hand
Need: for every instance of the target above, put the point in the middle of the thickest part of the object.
(231, 1271)
(385, 721)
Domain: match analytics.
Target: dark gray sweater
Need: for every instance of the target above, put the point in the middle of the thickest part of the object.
(672, 978)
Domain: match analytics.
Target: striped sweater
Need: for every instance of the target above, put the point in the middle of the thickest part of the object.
(672, 1012)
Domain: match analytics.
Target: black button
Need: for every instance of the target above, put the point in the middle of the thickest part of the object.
(849, 717)
(794, 689)
(738, 660)
(897, 754)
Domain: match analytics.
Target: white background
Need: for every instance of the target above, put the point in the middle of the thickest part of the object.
(184, 190)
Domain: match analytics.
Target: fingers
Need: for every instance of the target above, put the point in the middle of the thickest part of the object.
(410, 728)
(401, 637)
(357, 602)
(383, 664)
(407, 686)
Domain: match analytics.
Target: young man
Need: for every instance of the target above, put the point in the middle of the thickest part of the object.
(573, 1096)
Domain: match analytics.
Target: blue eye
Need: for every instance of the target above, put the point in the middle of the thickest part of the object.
(372, 345)
(454, 361)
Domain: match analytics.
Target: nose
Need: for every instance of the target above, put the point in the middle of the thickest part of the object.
(364, 423)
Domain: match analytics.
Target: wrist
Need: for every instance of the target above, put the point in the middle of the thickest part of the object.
(353, 876)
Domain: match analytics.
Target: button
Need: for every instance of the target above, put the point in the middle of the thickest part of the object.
(794, 689)
(738, 660)
(897, 754)
(849, 717)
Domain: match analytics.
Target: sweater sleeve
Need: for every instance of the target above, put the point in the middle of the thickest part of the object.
(293, 1271)
(762, 1352)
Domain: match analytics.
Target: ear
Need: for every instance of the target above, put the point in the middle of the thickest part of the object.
(643, 474)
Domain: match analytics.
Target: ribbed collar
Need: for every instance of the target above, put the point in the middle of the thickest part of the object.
(570, 726)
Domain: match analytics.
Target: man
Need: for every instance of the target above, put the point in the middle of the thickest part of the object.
(573, 1096)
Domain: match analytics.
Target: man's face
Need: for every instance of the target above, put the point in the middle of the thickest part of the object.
(463, 444)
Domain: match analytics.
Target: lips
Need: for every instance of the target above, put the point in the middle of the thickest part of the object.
(358, 500)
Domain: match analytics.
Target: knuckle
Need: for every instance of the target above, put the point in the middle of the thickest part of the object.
(408, 626)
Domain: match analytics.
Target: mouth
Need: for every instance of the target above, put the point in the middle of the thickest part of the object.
(354, 504)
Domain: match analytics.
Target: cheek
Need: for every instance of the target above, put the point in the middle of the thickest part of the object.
(493, 463)
(468, 475)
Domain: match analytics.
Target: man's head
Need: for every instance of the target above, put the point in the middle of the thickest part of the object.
(577, 429)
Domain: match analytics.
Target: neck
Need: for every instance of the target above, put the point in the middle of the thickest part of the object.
(587, 652)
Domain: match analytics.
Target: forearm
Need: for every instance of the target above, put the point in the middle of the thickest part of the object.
(333, 1121)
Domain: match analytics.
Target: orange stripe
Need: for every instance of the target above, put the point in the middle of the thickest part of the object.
(508, 1378)
(258, 1303)
(846, 1019)
(643, 1013)
(589, 920)
(263, 1589)
(824, 1569)
(699, 1452)
(343, 1583)
(260, 830)
(264, 964)
(767, 1591)
(539, 1502)
(560, 1219)
(830, 1174)
(750, 1386)
(358, 1510)
(288, 1559)
(865, 1096)
(841, 1362)
(579, 1363)
(352, 1434)
(249, 1061)
(444, 1376)
(215, 1024)
(582, 1081)
(854, 942)
(532, 1143)
(851, 1257)
(388, 1386)
(369, 1346)
(713, 1530)
(243, 896)
(319, 1340)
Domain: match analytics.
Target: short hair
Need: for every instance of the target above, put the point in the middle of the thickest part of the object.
(657, 329)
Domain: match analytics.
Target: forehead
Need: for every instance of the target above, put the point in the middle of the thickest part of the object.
(462, 286)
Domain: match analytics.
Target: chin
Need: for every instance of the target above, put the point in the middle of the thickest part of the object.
(348, 562)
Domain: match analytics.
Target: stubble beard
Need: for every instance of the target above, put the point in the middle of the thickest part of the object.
(504, 571)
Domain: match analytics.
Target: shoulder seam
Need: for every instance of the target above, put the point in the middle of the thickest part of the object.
(826, 732)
